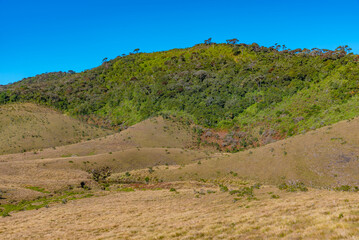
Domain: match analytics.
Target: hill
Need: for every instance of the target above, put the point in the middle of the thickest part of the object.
(152, 133)
(279, 172)
(153, 173)
(258, 94)
(150, 143)
(327, 157)
(27, 126)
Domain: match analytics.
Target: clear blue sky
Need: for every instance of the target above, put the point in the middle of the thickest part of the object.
(44, 36)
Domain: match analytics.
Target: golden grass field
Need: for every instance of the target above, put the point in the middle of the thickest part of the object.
(162, 187)
(162, 214)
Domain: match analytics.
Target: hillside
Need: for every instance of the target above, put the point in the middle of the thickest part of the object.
(151, 133)
(150, 143)
(150, 181)
(256, 94)
(327, 157)
(155, 191)
(217, 141)
(26, 127)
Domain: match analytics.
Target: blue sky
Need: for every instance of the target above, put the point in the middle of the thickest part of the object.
(44, 36)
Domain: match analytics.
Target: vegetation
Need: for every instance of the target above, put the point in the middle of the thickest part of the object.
(293, 186)
(101, 174)
(38, 189)
(232, 86)
(6, 209)
(227, 96)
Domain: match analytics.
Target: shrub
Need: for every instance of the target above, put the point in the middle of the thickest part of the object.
(223, 188)
(147, 179)
(245, 191)
(347, 188)
(101, 174)
(293, 186)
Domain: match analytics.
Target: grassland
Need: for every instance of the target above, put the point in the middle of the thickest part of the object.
(26, 127)
(164, 214)
(327, 157)
(153, 181)
(55, 169)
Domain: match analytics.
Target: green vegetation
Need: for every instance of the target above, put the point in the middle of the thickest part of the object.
(244, 88)
(100, 175)
(38, 189)
(126, 189)
(293, 186)
(347, 188)
(6, 209)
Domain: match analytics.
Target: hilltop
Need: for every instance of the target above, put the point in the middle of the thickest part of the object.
(260, 94)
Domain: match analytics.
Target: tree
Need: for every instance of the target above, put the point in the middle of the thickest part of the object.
(208, 41)
(232, 41)
(136, 50)
(3, 97)
(104, 60)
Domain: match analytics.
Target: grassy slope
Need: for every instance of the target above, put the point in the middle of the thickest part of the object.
(324, 157)
(25, 127)
(151, 133)
(327, 156)
(150, 143)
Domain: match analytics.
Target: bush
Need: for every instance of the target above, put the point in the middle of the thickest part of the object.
(223, 188)
(293, 186)
(347, 188)
(147, 179)
(101, 174)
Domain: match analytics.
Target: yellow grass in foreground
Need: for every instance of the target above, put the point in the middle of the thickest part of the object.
(184, 214)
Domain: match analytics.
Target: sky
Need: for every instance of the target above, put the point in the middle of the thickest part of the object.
(40, 36)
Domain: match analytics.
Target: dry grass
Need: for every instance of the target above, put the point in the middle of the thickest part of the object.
(151, 133)
(326, 157)
(25, 127)
(164, 214)
(157, 150)
(56, 168)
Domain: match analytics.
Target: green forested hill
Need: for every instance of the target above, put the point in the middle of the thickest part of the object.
(255, 91)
